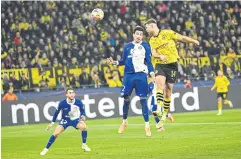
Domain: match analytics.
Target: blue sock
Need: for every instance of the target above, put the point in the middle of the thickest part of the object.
(84, 136)
(145, 110)
(125, 109)
(156, 119)
(51, 141)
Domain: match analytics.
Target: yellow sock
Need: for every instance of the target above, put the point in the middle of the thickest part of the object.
(159, 97)
(167, 102)
(220, 106)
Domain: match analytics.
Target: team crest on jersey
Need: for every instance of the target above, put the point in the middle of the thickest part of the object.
(132, 51)
(163, 37)
(140, 47)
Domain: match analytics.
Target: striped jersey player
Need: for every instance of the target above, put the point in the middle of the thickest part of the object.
(73, 114)
(137, 60)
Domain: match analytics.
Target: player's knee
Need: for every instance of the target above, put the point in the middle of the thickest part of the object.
(160, 86)
(219, 99)
(56, 134)
(168, 93)
(84, 128)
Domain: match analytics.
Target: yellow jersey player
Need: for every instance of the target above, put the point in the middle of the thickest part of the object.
(165, 56)
(222, 83)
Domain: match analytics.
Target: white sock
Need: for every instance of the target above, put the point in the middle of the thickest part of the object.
(83, 144)
(147, 125)
(124, 120)
(219, 111)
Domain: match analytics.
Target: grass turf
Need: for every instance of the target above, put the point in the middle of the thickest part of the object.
(197, 135)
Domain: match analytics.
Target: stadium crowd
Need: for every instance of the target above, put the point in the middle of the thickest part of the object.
(58, 34)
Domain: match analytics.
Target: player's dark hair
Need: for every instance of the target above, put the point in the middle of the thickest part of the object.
(69, 89)
(138, 28)
(150, 21)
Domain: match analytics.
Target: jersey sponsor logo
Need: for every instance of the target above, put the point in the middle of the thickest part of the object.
(162, 46)
(105, 106)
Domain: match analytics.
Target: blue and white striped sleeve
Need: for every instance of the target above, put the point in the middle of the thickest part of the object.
(56, 113)
(124, 56)
(148, 59)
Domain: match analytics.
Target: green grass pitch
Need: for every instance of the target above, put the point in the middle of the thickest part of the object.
(197, 135)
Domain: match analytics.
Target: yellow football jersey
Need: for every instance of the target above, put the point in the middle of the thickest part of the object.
(222, 84)
(165, 44)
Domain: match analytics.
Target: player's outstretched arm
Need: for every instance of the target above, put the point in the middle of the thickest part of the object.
(82, 111)
(149, 64)
(54, 117)
(186, 39)
(121, 62)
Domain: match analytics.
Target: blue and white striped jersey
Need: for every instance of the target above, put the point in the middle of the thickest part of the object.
(137, 58)
(70, 111)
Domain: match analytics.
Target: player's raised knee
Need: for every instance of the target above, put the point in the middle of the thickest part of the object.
(82, 126)
(56, 134)
(168, 93)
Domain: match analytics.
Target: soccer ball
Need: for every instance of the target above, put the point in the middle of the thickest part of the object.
(97, 14)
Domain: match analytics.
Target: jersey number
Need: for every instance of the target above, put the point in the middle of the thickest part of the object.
(123, 89)
(173, 74)
(63, 121)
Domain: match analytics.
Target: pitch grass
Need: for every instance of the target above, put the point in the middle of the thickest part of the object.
(199, 135)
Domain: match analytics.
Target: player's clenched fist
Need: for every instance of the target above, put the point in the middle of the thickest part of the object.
(196, 42)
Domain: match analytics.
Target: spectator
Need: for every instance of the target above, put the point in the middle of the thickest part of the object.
(84, 78)
(221, 66)
(206, 71)
(230, 74)
(62, 85)
(95, 77)
(236, 67)
(38, 34)
(6, 82)
(15, 81)
(44, 61)
(10, 96)
(116, 79)
(74, 82)
(231, 53)
(24, 82)
(193, 69)
(18, 39)
(43, 83)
